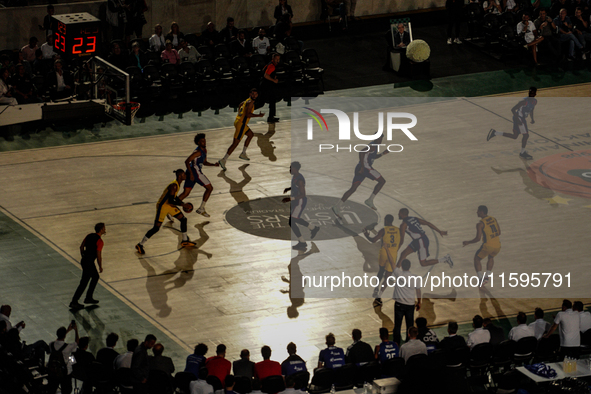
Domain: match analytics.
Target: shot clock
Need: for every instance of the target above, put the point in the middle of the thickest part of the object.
(77, 34)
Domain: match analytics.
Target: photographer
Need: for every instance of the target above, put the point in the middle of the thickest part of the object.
(65, 381)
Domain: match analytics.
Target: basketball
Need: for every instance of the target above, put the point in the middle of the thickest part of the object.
(188, 208)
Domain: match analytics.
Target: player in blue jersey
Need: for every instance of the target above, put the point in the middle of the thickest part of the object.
(386, 350)
(419, 241)
(298, 204)
(332, 357)
(364, 169)
(194, 164)
(520, 112)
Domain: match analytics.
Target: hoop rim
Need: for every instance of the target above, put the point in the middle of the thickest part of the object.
(120, 106)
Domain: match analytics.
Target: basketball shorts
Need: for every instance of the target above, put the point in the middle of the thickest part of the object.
(360, 176)
(200, 179)
(165, 209)
(421, 246)
(241, 130)
(520, 124)
(297, 207)
(488, 249)
(385, 261)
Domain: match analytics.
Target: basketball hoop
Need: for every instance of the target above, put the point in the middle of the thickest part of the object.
(127, 110)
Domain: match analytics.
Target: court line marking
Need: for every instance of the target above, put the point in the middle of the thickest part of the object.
(502, 117)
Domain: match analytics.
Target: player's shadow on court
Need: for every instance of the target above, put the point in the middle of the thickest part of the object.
(386, 321)
(236, 188)
(265, 144)
(428, 304)
(159, 284)
(368, 250)
(485, 296)
(531, 187)
(93, 326)
(296, 287)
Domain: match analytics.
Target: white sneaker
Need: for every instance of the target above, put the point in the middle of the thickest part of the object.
(222, 164)
(584, 57)
(449, 41)
(243, 156)
(201, 211)
(369, 203)
(449, 261)
(457, 41)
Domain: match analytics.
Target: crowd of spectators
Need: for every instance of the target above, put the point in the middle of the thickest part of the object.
(145, 365)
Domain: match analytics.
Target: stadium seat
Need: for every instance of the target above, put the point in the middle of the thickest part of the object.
(368, 372)
(182, 381)
(547, 350)
(393, 368)
(273, 384)
(159, 382)
(345, 377)
(321, 381)
(192, 39)
(503, 354)
(525, 349)
(301, 380)
(205, 52)
(243, 385)
(480, 358)
(215, 382)
(221, 50)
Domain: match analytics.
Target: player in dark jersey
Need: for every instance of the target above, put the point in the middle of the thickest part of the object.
(364, 169)
(420, 242)
(298, 204)
(168, 204)
(332, 357)
(194, 164)
(386, 350)
(90, 249)
(520, 111)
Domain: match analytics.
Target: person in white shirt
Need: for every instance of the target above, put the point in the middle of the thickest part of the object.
(530, 34)
(413, 346)
(261, 43)
(404, 297)
(584, 316)
(200, 386)
(188, 53)
(540, 326)
(522, 330)
(124, 360)
(157, 41)
(479, 335)
(47, 48)
(65, 383)
(289, 386)
(570, 332)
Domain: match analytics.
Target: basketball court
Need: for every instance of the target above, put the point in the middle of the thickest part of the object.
(238, 285)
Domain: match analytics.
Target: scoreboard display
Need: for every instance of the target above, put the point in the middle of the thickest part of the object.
(77, 34)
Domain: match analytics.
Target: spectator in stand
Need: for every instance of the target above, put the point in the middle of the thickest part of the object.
(28, 66)
(479, 335)
(565, 34)
(200, 386)
(510, 5)
(454, 19)
(49, 25)
(244, 367)
(196, 360)
(453, 341)
(293, 363)
(569, 323)
(169, 54)
(188, 53)
(269, 87)
(47, 48)
(522, 330)
(530, 34)
(117, 57)
(242, 47)
(218, 365)
(333, 356)
(261, 44)
(426, 335)
(23, 88)
(107, 355)
(174, 35)
(584, 316)
(547, 29)
(267, 367)
(581, 28)
(229, 386)
(497, 334)
(290, 384)
(540, 326)
(137, 57)
(229, 33)
(82, 356)
(28, 51)
(282, 9)
(41, 66)
(491, 6)
(136, 18)
(66, 349)
(556, 6)
(338, 7)
(413, 346)
(60, 82)
(358, 352)
(124, 360)
(160, 362)
(283, 28)
(5, 311)
(387, 349)
(256, 387)
(157, 41)
(140, 367)
(210, 35)
(116, 19)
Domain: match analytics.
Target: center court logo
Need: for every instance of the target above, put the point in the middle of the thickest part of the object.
(345, 130)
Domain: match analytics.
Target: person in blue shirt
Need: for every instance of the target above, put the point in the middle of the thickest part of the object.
(331, 357)
(386, 350)
(196, 360)
(294, 363)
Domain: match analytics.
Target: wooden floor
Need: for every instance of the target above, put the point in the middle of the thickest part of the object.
(234, 287)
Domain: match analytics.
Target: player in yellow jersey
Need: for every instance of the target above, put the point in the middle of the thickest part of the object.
(488, 229)
(390, 236)
(245, 112)
(168, 204)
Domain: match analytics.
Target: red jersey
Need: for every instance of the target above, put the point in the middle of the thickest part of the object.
(219, 367)
(266, 368)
